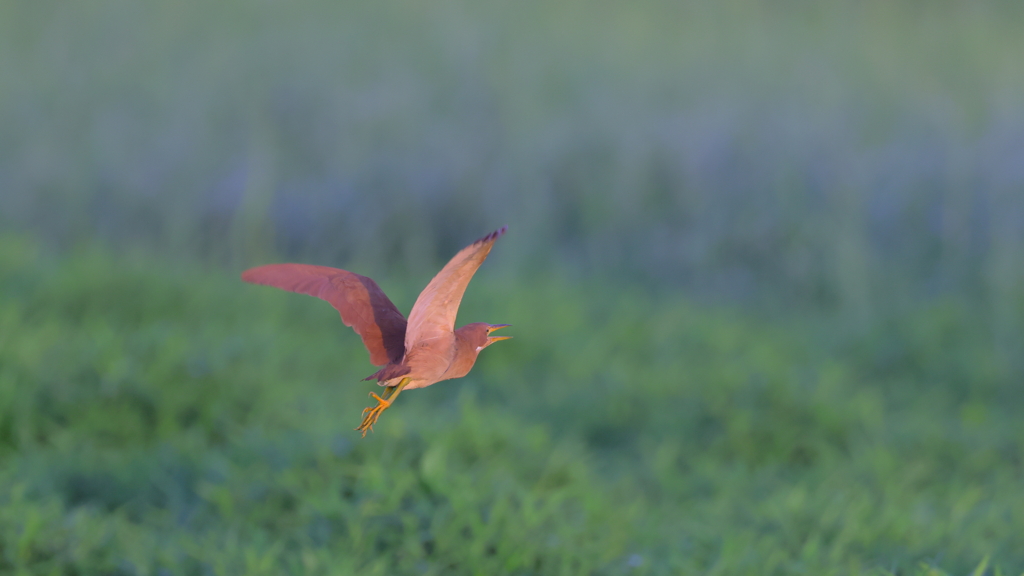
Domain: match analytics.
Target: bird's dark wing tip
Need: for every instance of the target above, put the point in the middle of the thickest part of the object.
(492, 236)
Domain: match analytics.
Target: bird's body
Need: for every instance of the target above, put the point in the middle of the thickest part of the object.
(414, 353)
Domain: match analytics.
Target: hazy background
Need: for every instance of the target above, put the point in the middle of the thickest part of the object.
(851, 174)
(844, 155)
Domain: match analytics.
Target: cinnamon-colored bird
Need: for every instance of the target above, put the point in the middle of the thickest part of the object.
(416, 353)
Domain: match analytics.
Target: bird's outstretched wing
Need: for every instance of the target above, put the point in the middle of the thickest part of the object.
(433, 314)
(362, 304)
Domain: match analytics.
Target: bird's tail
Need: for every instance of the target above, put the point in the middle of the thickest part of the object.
(388, 372)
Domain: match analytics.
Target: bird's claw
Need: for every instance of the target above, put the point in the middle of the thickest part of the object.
(371, 414)
(379, 402)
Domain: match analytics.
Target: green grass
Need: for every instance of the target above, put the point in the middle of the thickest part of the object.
(157, 418)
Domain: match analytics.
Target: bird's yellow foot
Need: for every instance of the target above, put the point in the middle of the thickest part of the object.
(371, 414)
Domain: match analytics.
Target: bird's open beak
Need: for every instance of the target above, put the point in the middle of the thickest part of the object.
(494, 327)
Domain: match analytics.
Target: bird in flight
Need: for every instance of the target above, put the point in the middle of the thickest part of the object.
(414, 353)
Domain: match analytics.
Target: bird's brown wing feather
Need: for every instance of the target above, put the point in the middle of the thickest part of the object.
(433, 314)
(361, 303)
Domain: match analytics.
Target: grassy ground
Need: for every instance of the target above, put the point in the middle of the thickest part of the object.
(158, 418)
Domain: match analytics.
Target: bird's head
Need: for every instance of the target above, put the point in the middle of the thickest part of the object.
(478, 334)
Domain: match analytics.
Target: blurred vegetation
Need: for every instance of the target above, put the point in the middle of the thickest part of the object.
(764, 268)
(851, 155)
(160, 416)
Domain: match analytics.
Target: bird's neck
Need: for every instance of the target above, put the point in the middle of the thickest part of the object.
(465, 357)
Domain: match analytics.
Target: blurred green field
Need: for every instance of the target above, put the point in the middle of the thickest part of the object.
(850, 155)
(763, 267)
(159, 418)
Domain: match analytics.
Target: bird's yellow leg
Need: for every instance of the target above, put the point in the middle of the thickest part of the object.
(371, 414)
